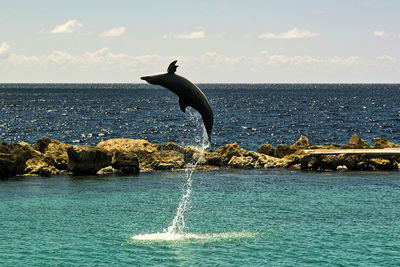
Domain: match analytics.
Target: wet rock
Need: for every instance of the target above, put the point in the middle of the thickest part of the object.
(142, 148)
(125, 162)
(228, 151)
(266, 149)
(167, 160)
(87, 159)
(241, 162)
(54, 150)
(380, 142)
(356, 142)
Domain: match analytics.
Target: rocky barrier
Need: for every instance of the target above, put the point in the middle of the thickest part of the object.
(50, 157)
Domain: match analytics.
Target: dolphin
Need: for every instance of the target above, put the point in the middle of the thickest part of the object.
(189, 94)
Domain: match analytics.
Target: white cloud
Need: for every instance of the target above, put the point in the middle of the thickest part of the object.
(379, 33)
(68, 27)
(200, 34)
(291, 34)
(114, 32)
(4, 47)
(105, 65)
(387, 58)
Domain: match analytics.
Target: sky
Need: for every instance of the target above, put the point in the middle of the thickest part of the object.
(214, 41)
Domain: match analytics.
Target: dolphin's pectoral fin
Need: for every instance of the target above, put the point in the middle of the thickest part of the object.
(182, 105)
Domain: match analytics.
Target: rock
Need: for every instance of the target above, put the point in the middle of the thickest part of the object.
(380, 142)
(310, 162)
(125, 162)
(362, 166)
(55, 150)
(331, 162)
(284, 150)
(40, 166)
(187, 151)
(341, 168)
(294, 158)
(174, 147)
(208, 158)
(228, 151)
(13, 158)
(87, 159)
(302, 143)
(167, 159)
(350, 161)
(142, 148)
(356, 142)
(381, 164)
(266, 149)
(266, 162)
(108, 171)
(241, 162)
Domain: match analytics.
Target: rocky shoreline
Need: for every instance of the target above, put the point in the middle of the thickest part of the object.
(49, 157)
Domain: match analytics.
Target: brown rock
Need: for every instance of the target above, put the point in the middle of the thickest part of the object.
(350, 161)
(284, 150)
(265, 161)
(228, 151)
(125, 162)
(380, 142)
(341, 168)
(208, 158)
(167, 159)
(331, 162)
(241, 162)
(40, 166)
(13, 158)
(266, 149)
(356, 142)
(55, 150)
(142, 148)
(87, 159)
(382, 164)
(108, 171)
(302, 143)
(174, 147)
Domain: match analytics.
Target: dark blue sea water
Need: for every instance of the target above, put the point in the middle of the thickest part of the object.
(251, 114)
(233, 217)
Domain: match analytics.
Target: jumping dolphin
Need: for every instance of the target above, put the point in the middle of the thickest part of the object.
(189, 94)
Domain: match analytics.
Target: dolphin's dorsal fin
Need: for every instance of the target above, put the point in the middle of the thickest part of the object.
(172, 67)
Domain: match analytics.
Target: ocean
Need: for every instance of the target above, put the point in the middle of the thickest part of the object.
(276, 217)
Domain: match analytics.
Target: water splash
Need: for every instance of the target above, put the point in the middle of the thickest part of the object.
(176, 230)
(178, 223)
(185, 238)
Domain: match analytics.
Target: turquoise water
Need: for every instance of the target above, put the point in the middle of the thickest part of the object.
(235, 218)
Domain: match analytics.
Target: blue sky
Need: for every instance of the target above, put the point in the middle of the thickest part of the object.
(214, 41)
